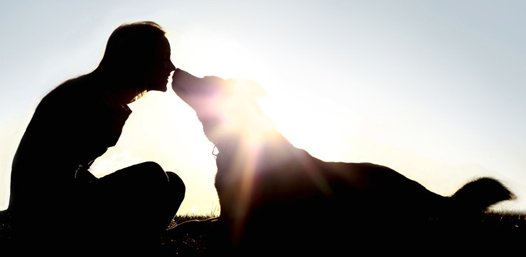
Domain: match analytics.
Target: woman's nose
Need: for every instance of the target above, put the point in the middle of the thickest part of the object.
(170, 66)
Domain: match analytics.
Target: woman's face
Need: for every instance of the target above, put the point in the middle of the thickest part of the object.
(160, 68)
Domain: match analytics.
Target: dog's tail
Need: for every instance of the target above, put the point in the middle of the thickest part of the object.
(480, 194)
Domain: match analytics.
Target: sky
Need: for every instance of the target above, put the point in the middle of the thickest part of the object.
(432, 89)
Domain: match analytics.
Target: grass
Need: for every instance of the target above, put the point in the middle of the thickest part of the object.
(492, 226)
(192, 235)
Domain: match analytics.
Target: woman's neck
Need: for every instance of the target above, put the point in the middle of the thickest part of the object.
(116, 89)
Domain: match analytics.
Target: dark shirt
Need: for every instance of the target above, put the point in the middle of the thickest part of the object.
(71, 127)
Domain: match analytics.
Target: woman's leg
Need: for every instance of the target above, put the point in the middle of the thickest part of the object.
(136, 204)
(172, 198)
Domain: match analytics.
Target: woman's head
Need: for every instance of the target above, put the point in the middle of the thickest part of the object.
(139, 54)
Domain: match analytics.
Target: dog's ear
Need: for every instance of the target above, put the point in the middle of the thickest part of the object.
(255, 89)
(249, 87)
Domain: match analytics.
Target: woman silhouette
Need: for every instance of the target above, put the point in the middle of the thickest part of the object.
(54, 199)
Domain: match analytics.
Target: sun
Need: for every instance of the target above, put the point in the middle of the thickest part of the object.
(306, 119)
(313, 127)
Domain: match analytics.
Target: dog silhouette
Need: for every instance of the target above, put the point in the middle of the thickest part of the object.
(276, 197)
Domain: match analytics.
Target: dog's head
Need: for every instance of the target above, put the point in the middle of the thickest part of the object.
(227, 109)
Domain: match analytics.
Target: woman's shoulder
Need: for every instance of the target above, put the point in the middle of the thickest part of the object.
(73, 93)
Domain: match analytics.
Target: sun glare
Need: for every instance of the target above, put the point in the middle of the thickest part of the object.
(315, 128)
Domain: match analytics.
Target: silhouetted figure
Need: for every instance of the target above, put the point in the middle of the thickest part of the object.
(276, 198)
(56, 203)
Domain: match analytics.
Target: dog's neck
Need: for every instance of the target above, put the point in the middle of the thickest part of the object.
(240, 125)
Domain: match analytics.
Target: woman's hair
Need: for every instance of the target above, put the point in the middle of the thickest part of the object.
(131, 46)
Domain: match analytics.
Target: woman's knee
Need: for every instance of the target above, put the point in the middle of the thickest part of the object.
(176, 184)
(148, 171)
(149, 166)
(167, 182)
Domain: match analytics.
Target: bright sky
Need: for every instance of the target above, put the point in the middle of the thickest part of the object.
(433, 89)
